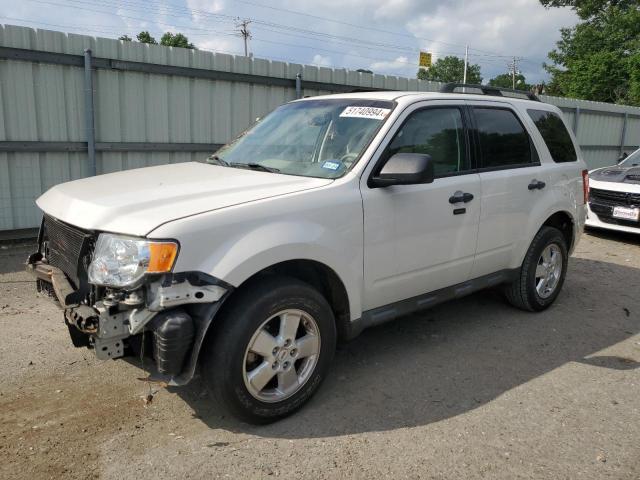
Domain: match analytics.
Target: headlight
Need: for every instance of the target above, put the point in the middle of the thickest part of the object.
(123, 261)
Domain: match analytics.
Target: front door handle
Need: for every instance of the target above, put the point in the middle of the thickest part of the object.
(460, 197)
(536, 185)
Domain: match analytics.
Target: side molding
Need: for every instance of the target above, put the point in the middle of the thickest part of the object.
(386, 313)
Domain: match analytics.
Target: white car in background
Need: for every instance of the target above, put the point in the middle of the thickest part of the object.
(614, 196)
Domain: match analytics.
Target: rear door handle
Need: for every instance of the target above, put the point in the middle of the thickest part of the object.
(537, 185)
(460, 197)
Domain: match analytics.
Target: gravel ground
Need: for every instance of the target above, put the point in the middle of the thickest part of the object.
(469, 389)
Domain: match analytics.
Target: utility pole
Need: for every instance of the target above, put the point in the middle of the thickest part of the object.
(243, 30)
(466, 62)
(513, 69)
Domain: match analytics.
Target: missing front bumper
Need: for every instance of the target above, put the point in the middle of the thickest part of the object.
(52, 281)
(175, 312)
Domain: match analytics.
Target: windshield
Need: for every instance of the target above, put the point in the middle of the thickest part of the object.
(312, 138)
(631, 160)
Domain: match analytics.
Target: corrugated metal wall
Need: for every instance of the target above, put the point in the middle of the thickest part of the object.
(45, 102)
(604, 131)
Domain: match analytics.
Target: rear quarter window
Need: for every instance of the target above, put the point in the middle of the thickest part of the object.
(555, 135)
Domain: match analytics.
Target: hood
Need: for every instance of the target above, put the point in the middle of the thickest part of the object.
(616, 174)
(135, 202)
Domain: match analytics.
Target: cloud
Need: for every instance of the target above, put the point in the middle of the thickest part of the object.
(321, 61)
(219, 44)
(401, 9)
(198, 7)
(400, 63)
(524, 28)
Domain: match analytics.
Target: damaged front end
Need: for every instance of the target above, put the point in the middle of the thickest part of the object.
(162, 315)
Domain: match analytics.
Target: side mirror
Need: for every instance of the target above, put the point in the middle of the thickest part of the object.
(404, 169)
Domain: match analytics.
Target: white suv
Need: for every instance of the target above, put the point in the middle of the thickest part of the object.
(330, 215)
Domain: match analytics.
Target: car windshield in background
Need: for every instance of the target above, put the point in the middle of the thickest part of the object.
(312, 138)
(631, 160)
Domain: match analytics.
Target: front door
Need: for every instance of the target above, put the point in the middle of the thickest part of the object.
(417, 238)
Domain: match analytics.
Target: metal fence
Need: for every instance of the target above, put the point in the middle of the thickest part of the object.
(67, 113)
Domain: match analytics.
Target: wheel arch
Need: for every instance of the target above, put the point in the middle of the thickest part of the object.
(557, 216)
(563, 221)
(320, 276)
(317, 274)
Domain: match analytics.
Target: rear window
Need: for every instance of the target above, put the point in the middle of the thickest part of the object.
(504, 142)
(555, 135)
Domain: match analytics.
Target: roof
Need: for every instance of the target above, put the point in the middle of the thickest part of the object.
(411, 97)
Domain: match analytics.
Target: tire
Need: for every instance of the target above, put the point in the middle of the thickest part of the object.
(233, 371)
(526, 292)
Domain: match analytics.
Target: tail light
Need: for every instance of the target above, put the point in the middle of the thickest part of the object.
(585, 185)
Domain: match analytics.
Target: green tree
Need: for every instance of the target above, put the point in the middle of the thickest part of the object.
(177, 40)
(505, 80)
(145, 37)
(125, 38)
(634, 81)
(451, 69)
(598, 59)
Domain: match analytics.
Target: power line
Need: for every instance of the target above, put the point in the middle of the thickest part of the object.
(208, 31)
(358, 43)
(375, 29)
(356, 55)
(282, 29)
(513, 70)
(145, 9)
(243, 30)
(116, 30)
(385, 49)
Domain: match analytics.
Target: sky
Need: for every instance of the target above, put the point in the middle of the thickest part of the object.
(384, 36)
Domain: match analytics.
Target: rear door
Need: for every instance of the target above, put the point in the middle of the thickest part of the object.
(512, 179)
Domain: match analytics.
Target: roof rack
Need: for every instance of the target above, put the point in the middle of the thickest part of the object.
(487, 90)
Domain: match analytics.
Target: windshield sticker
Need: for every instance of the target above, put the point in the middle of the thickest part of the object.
(366, 112)
(331, 165)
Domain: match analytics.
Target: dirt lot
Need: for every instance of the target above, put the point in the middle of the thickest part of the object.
(470, 389)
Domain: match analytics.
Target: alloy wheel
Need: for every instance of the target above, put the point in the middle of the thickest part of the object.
(281, 355)
(548, 270)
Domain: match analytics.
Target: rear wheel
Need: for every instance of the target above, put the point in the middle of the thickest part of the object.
(273, 348)
(542, 273)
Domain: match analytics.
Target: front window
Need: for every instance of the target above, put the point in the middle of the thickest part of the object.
(632, 160)
(438, 132)
(312, 138)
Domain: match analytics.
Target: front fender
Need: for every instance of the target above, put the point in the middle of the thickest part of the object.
(264, 247)
(235, 243)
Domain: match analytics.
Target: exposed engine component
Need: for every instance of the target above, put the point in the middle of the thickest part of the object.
(134, 298)
(112, 297)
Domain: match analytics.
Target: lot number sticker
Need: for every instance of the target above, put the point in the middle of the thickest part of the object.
(365, 112)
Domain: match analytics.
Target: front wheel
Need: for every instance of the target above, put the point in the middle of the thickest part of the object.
(542, 274)
(272, 349)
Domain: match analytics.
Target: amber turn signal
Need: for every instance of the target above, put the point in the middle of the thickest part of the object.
(162, 255)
